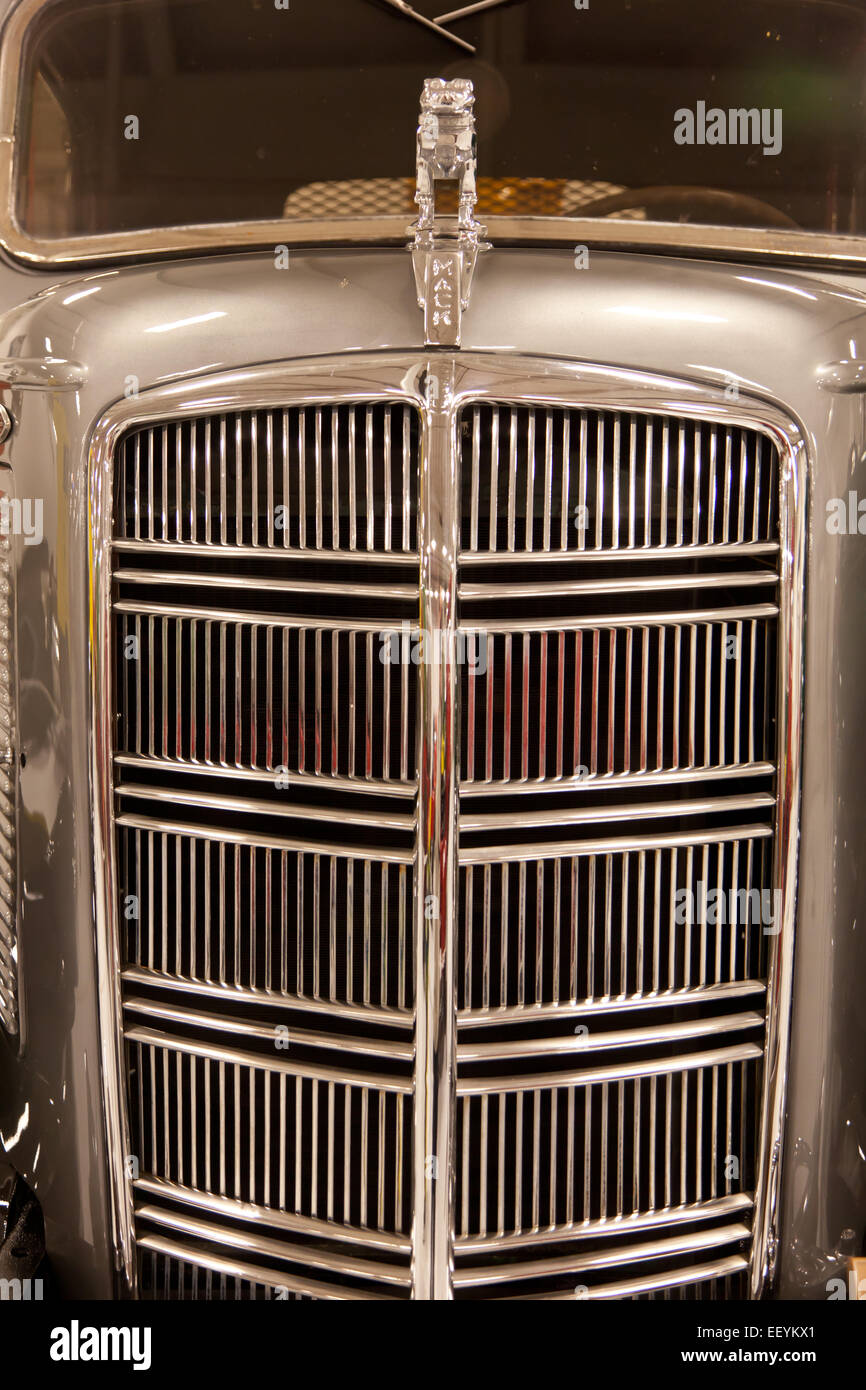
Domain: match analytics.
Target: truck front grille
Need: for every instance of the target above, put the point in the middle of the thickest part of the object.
(616, 846)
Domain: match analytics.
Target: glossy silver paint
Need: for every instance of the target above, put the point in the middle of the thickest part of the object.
(715, 325)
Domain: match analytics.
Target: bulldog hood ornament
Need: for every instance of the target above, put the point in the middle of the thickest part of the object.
(446, 248)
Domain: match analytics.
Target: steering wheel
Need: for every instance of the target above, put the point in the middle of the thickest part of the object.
(673, 203)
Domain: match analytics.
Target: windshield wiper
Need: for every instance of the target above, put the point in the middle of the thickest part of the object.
(469, 9)
(402, 8)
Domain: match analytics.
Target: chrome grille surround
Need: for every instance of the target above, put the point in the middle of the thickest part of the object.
(451, 839)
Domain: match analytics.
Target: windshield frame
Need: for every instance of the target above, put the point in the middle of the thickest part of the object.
(156, 243)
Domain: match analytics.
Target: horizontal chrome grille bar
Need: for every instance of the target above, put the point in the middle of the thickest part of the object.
(746, 550)
(736, 1202)
(381, 1242)
(613, 781)
(251, 1242)
(684, 617)
(634, 584)
(594, 815)
(565, 1046)
(181, 1253)
(173, 796)
(245, 1029)
(249, 839)
(493, 854)
(171, 550)
(717, 1270)
(590, 1076)
(252, 1061)
(263, 583)
(630, 1254)
(232, 994)
(379, 786)
(576, 1008)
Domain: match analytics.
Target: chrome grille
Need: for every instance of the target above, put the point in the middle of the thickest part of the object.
(618, 748)
(264, 771)
(233, 692)
(304, 479)
(280, 817)
(619, 1141)
(263, 917)
(650, 695)
(562, 481)
(543, 928)
(297, 1139)
(164, 1277)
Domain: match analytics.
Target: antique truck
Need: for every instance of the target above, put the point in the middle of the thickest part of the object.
(433, 548)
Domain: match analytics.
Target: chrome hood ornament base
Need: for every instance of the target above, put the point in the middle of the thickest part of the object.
(445, 249)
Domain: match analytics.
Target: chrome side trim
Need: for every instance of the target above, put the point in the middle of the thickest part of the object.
(792, 530)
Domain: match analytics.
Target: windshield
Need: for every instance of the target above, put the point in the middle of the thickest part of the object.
(156, 113)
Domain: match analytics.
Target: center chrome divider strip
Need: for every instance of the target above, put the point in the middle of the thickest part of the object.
(458, 378)
(436, 875)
